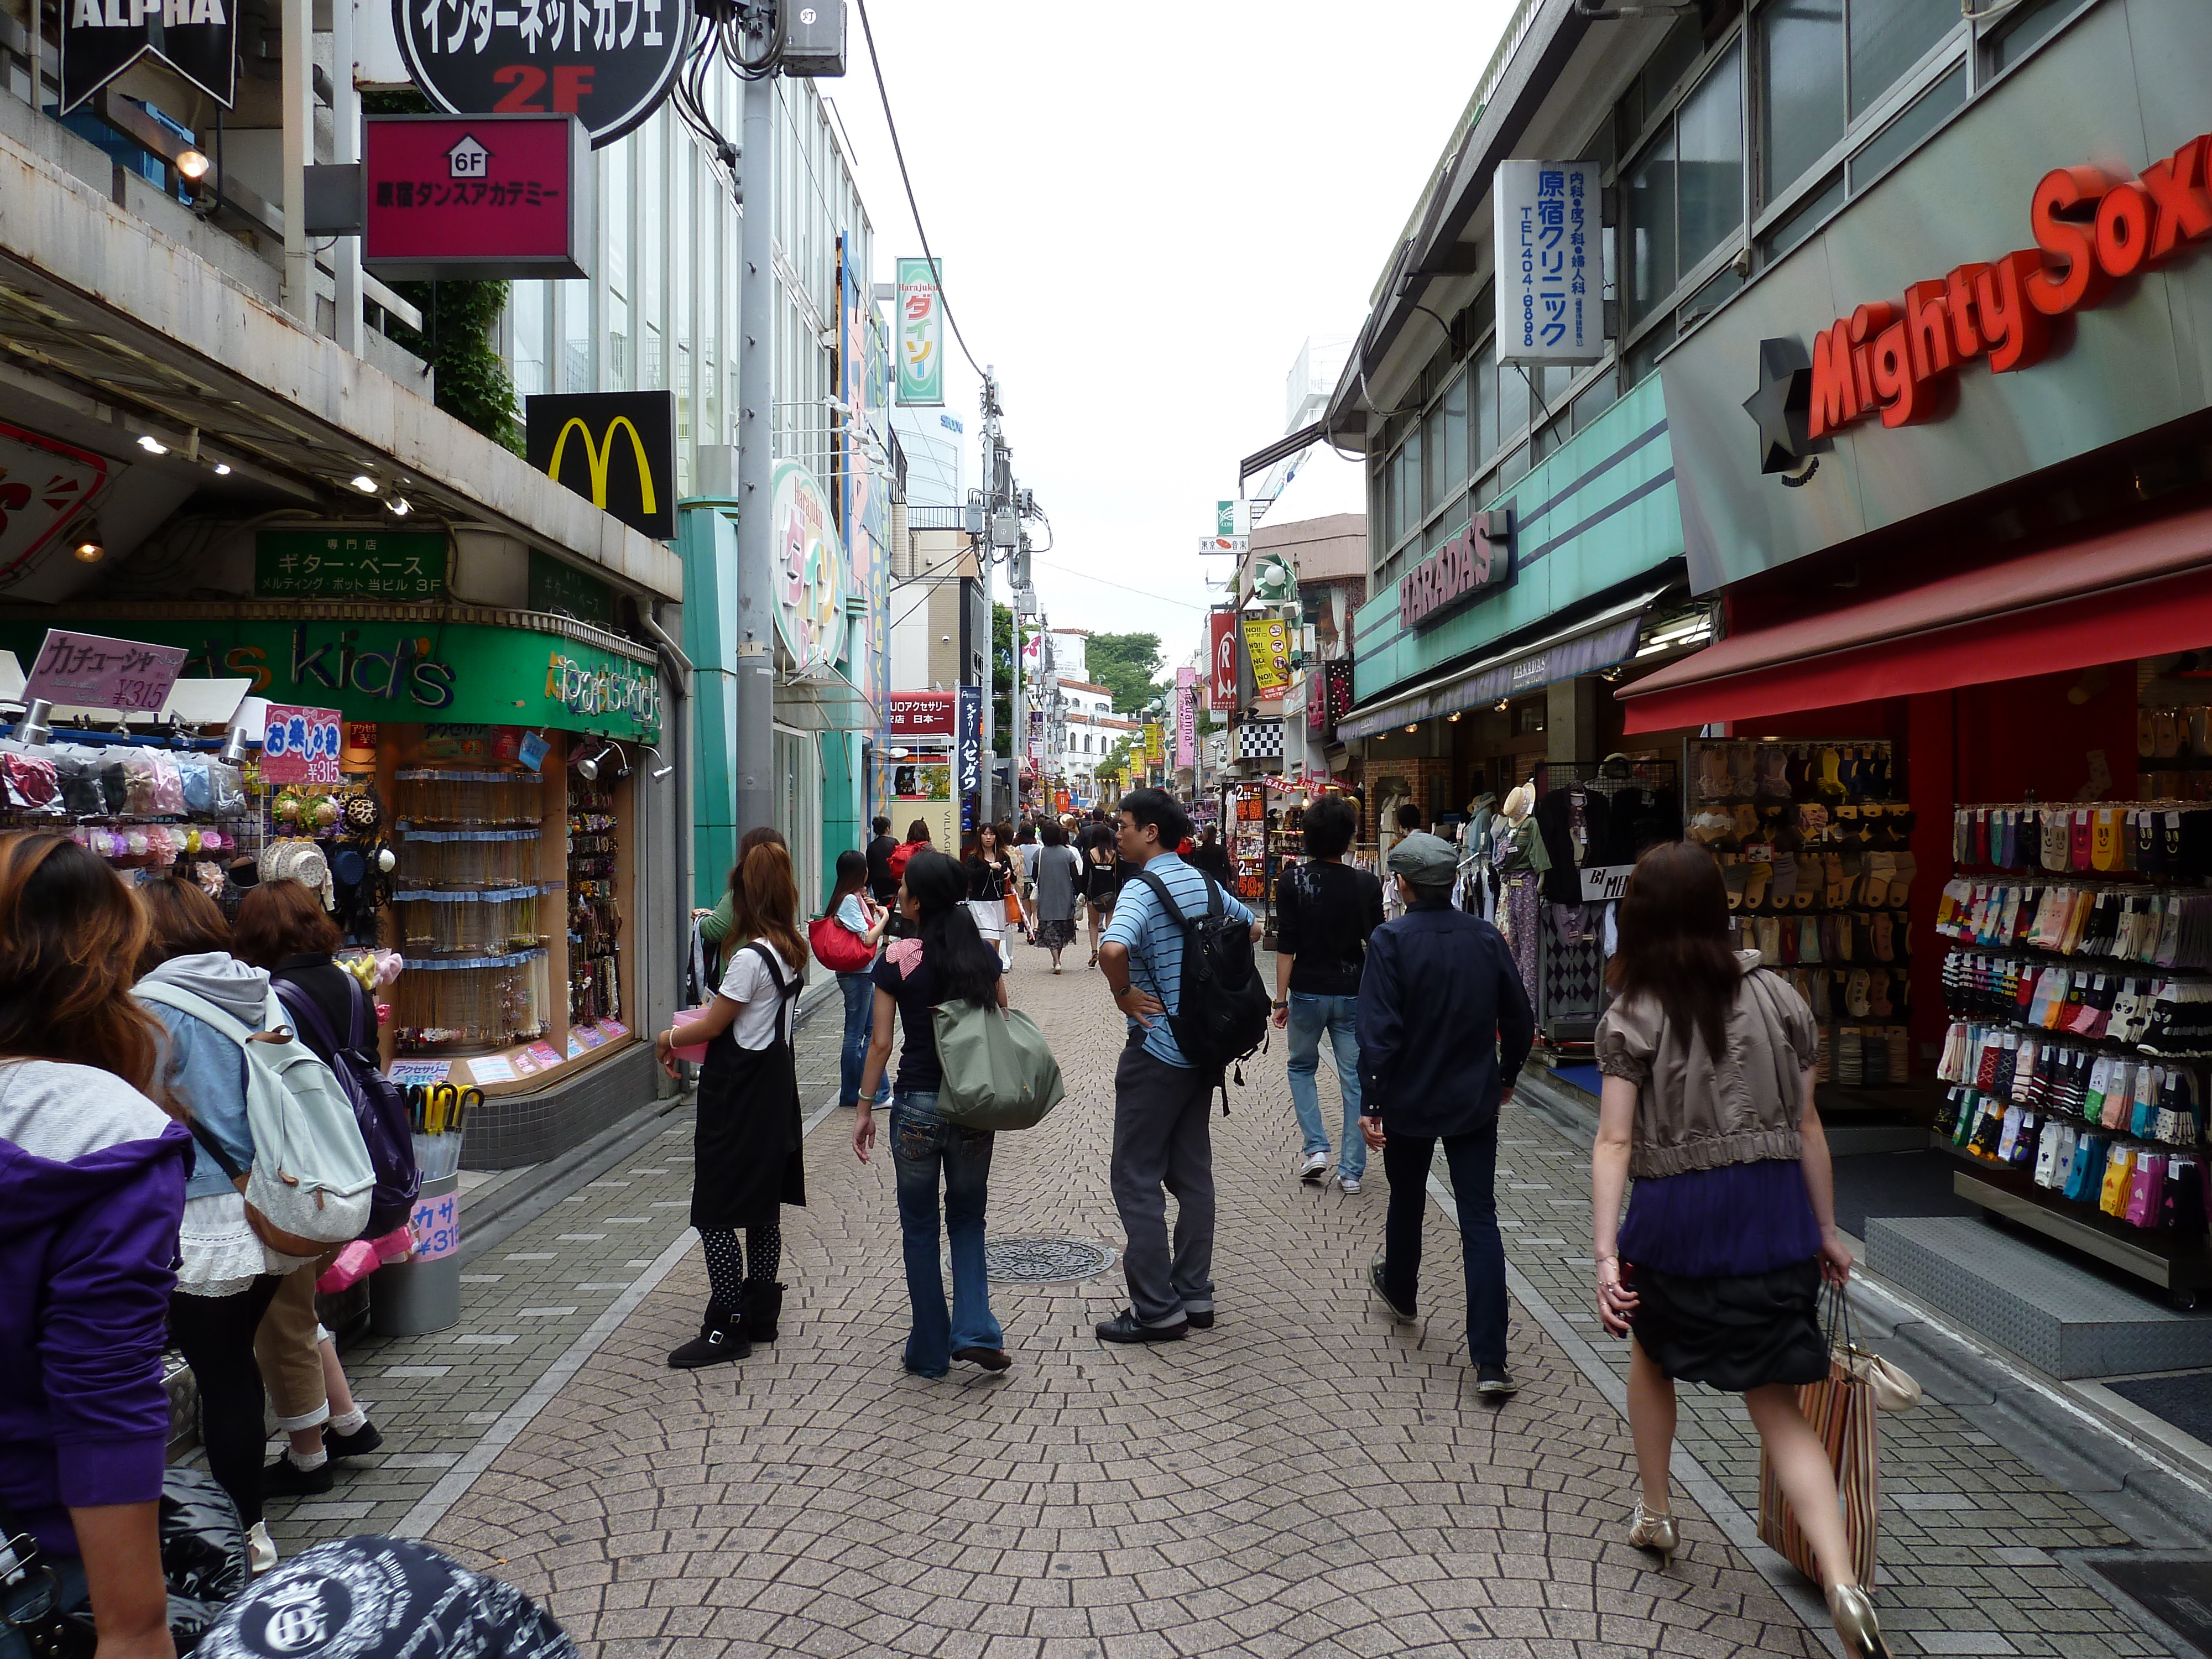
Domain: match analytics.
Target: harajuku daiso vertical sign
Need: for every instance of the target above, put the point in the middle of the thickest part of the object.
(2092, 233)
(920, 334)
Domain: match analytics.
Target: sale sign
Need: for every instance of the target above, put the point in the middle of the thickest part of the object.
(480, 196)
(301, 746)
(90, 671)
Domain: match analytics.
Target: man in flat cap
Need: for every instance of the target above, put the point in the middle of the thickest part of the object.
(1445, 1025)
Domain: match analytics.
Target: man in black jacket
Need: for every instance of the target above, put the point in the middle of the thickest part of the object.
(881, 882)
(1443, 1028)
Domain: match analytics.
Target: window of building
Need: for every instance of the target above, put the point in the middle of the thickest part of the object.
(2026, 28)
(527, 335)
(1919, 119)
(1826, 64)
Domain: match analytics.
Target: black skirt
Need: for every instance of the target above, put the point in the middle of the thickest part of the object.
(1736, 1333)
(747, 1142)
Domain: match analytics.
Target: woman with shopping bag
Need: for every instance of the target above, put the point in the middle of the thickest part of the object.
(1715, 1274)
(993, 896)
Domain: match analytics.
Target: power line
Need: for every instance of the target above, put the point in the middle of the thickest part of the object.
(1140, 593)
(913, 207)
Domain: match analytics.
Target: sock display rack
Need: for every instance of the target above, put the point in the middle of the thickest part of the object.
(2078, 986)
(471, 910)
(1814, 840)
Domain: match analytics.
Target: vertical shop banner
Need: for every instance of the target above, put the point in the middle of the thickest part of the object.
(1222, 659)
(970, 767)
(920, 334)
(1545, 217)
(1186, 717)
(1268, 643)
(1156, 743)
(300, 744)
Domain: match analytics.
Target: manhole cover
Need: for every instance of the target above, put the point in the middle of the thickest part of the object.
(2169, 1591)
(1043, 1260)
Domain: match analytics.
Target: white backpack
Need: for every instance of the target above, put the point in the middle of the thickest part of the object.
(312, 1180)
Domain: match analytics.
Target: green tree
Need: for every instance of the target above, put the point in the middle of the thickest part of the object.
(472, 384)
(1127, 664)
(1117, 760)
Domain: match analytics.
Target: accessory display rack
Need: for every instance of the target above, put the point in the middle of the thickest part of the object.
(1814, 840)
(2078, 983)
(470, 910)
(595, 919)
(150, 806)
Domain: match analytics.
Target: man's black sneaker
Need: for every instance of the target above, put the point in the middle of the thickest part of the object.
(1198, 1322)
(1375, 1283)
(1492, 1382)
(1126, 1327)
(361, 1441)
(285, 1479)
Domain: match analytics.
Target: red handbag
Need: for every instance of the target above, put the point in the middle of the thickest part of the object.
(837, 947)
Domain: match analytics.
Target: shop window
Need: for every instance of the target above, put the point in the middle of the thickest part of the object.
(1708, 148)
(1801, 46)
(1920, 118)
(1888, 37)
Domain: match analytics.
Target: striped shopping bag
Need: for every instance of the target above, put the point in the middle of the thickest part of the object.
(1841, 1410)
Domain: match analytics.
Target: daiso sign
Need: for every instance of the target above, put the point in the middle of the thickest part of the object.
(2093, 231)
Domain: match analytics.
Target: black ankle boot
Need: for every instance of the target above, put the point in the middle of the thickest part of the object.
(763, 1303)
(721, 1338)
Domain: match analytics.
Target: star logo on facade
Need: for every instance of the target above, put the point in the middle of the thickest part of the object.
(1781, 409)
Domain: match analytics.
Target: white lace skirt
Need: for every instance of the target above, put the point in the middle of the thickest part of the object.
(220, 1253)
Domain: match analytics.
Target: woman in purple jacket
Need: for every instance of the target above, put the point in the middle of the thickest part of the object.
(92, 1188)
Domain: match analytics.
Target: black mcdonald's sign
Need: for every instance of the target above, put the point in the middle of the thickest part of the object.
(615, 448)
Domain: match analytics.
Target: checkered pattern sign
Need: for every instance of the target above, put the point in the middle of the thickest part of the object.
(1260, 740)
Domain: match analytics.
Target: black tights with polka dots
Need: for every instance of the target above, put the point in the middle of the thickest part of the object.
(725, 1263)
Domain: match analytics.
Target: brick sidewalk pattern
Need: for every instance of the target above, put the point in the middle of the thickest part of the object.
(1304, 1479)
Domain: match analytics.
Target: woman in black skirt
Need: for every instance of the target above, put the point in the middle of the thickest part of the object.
(746, 1145)
(1716, 1273)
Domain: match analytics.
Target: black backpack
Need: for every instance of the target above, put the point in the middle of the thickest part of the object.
(1224, 1009)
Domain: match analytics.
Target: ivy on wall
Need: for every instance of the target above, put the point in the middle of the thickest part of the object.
(472, 382)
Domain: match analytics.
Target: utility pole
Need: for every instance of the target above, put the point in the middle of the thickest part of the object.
(755, 745)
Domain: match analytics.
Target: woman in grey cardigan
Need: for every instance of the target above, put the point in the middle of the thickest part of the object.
(1059, 878)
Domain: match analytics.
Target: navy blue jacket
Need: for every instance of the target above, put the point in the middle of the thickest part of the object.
(1443, 1025)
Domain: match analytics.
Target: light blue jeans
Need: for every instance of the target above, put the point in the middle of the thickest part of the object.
(1310, 1015)
(859, 1024)
(923, 1146)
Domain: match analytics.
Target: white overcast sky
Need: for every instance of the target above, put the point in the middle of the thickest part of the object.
(1141, 215)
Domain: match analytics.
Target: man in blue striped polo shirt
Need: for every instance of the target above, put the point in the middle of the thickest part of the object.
(1162, 1137)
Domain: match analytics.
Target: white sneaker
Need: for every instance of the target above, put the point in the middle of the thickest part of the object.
(1349, 1183)
(1315, 1166)
(260, 1548)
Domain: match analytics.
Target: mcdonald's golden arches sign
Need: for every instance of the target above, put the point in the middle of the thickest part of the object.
(617, 449)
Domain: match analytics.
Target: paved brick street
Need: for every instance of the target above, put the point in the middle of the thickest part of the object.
(1304, 1479)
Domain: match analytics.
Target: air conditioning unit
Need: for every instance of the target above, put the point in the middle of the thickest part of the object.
(814, 39)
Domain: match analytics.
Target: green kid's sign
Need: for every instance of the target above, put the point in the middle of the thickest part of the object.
(405, 671)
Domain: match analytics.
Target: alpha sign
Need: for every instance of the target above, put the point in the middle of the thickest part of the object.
(101, 39)
(609, 62)
(483, 198)
(2092, 232)
(617, 448)
(1478, 559)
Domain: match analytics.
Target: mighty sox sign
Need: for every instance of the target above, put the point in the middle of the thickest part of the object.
(2092, 231)
(1478, 559)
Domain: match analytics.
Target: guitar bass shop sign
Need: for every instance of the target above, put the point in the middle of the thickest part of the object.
(608, 61)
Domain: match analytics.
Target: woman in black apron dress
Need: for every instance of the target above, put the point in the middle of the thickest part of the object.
(747, 1141)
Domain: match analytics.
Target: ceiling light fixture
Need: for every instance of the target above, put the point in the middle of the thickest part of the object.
(399, 507)
(1414, 728)
(192, 165)
(222, 469)
(364, 484)
(90, 549)
(152, 445)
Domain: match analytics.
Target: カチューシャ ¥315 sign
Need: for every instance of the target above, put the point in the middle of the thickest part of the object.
(2092, 232)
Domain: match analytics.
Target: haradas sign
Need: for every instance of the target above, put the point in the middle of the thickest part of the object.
(2091, 232)
(1476, 561)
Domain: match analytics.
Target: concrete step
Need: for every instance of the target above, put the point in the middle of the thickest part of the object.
(2064, 1319)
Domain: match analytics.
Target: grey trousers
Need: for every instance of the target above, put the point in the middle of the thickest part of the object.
(1162, 1139)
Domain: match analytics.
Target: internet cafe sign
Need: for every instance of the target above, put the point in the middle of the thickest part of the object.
(2093, 231)
(1478, 560)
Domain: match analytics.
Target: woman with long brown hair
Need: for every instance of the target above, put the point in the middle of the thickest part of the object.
(747, 1163)
(1715, 1276)
(92, 1192)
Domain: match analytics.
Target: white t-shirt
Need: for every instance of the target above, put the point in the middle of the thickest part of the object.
(746, 982)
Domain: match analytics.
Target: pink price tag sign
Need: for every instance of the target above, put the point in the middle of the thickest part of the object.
(435, 1224)
(301, 746)
(91, 671)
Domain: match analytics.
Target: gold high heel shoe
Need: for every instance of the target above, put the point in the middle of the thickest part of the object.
(1849, 1606)
(1658, 1532)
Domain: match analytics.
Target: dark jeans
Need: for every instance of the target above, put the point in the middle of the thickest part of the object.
(1472, 1159)
(860, 1021)
(214, 1333)
(925, 1147)
(28, 1601)
(1161, 1139)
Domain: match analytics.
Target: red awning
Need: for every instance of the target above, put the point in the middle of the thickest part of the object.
(2140, 592)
